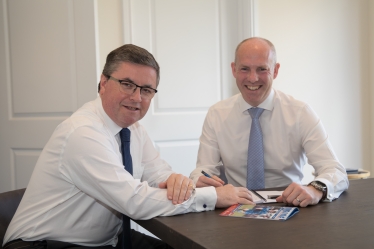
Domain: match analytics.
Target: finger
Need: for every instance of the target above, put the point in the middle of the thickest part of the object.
(170, 186)
(286, 195)
(216, 178)
(297, 201)
(211, 181)
(246, 195)
(290, 196)
(279, 199)
(204, 181)
(162, 185)
(245, 201)
(244, 190)
(190, 189)
(183, 190)
(304, 203)
(176, 188)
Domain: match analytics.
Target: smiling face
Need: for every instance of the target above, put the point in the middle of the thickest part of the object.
(125, 109)
(254, 70)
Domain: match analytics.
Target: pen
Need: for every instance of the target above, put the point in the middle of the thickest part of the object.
(206, 174)
(260, 196)
(273, 196)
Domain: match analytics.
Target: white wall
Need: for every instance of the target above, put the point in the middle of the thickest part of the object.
(322, 48)
(371, 84)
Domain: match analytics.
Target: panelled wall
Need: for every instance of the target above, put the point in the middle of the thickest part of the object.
(47, 71)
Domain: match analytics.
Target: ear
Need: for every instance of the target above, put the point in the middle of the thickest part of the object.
(276, 68)
(103, 82)
(233, 69)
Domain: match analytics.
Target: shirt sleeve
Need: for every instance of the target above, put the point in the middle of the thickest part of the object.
(320, 154)
(91, 163)
(209, 157)
(154, 169)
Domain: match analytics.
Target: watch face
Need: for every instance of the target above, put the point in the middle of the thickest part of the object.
(319, 186)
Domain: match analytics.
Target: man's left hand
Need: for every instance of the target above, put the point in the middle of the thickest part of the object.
(298, 195)
(179, 188)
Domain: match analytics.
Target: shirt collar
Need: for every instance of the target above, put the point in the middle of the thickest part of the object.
(112, 126)
(267, 104)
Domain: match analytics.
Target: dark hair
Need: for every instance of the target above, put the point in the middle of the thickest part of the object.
(133, 54)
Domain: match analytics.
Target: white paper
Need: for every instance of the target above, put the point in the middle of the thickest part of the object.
(266, 195)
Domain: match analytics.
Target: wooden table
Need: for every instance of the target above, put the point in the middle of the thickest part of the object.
(347, 222)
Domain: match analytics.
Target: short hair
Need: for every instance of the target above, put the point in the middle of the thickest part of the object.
(129, 53)
(271, 45)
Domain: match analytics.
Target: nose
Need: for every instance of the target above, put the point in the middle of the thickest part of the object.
(252, 76)
(136, 96)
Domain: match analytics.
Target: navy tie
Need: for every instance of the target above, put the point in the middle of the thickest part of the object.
(127, 162)
(255, 161)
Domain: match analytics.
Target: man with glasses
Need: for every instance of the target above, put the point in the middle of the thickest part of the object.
(100, 164)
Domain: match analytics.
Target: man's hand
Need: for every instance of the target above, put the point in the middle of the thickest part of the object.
(179, 188)
(229, 195)
(204, 181)
(298, 195)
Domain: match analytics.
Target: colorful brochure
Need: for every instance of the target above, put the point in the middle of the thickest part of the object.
(264, 212)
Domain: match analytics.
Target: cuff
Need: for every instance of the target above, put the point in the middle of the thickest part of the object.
(205, 199)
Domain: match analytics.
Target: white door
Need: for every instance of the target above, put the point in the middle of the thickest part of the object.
(47, 71)
(194, 43)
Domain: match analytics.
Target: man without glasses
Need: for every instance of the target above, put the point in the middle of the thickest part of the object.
(286, 132)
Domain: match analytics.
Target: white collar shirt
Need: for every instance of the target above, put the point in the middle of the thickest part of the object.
(79, 188)
(292, 134)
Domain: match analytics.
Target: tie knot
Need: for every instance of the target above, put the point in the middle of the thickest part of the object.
(125, 134)
(255, 112)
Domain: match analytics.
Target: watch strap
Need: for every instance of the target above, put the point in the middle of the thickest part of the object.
(321, 187)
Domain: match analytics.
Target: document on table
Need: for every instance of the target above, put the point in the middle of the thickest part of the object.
(265, 196)
(265, 212)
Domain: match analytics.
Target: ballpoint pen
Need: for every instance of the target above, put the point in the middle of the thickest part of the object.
(217, 179)
(206, 174)
(258, 195)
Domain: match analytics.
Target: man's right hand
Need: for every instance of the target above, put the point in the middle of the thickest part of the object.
(229, 195)
(204, 181)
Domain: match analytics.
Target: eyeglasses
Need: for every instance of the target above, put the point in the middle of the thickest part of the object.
(128, 87)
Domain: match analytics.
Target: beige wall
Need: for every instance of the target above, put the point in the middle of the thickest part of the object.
(323, 50)
(370, 134)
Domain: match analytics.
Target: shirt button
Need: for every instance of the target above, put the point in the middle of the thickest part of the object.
(204, 206)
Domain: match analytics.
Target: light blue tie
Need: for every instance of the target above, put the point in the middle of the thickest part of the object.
(255, 161)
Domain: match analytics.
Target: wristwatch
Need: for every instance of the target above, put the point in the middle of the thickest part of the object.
(319, 186)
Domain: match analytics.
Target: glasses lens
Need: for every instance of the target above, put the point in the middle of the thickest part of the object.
(127, 87)
(147, 92)
(130, 88)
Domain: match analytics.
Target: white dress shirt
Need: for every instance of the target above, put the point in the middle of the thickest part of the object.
(291, 131)
(79, 188)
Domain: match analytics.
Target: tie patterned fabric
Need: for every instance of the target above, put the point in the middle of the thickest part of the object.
(255, 161)
(127, 162)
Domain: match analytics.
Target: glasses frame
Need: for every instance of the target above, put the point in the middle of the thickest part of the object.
(136, 86)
